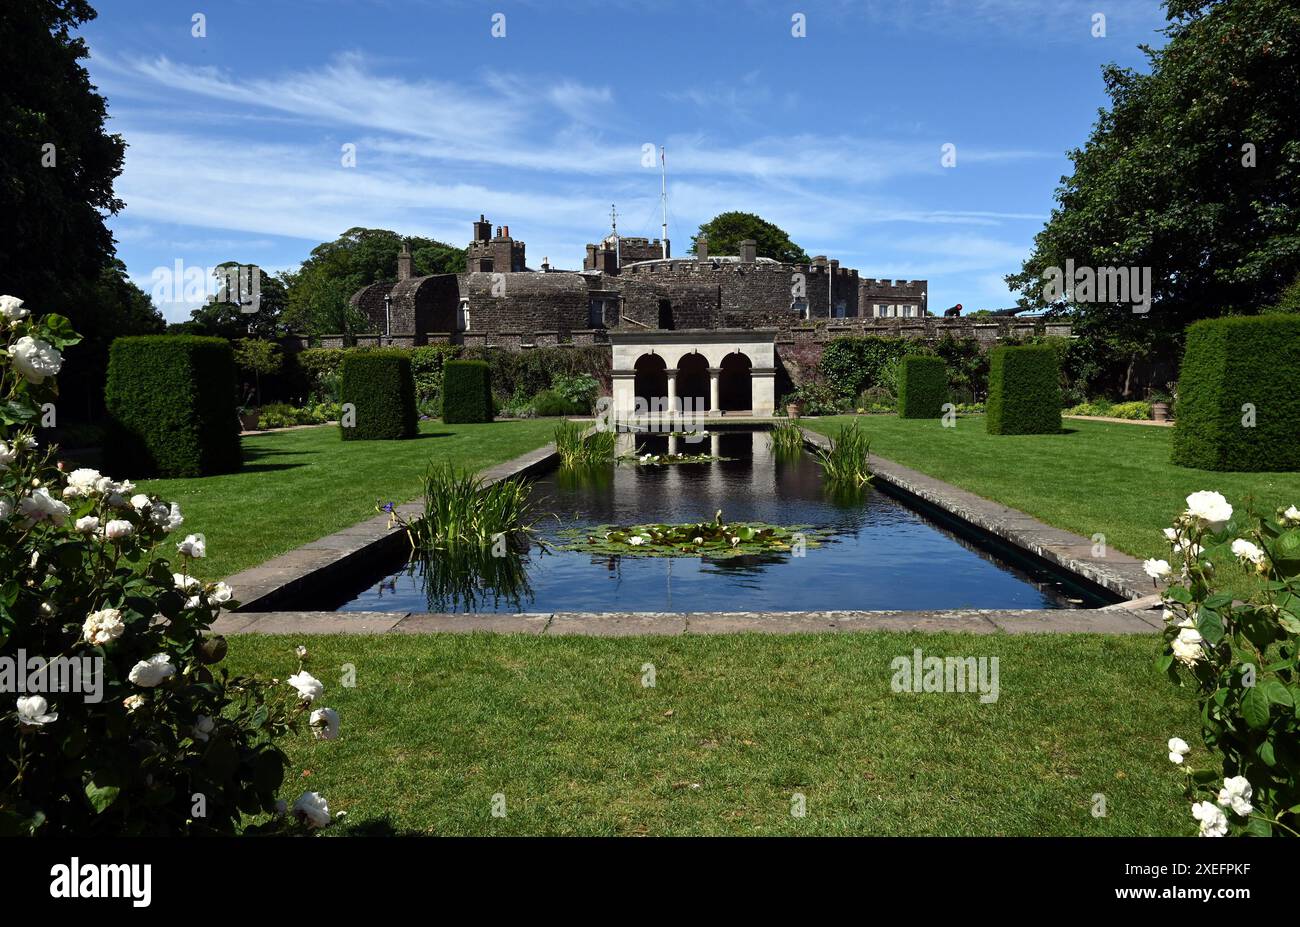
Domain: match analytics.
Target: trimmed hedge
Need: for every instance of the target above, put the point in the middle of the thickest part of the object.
(1024, 391)
(466, 392)
(1229, 362)
(922, 386)
(171, 407)
(381, 389)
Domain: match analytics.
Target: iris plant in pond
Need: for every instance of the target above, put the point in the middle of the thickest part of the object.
(461, 510)
(845, 463)
(704, 539)
(578, 449)
(1243, 660)
(787, 439)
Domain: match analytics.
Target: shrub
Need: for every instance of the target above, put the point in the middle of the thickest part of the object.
(92, 575)
(580, 390)
(1237, 404)
(426, 367)
(1024, 391)
(922, 386)
(1242, 659)
(527, 373)
(379, 387)
(550, 402)
(851, 364)
(466, 392)
(819, 399)
(320, 368)
(171, 406)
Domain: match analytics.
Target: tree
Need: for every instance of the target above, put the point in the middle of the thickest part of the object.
(1193, 172)
(258, 357)
(318, 292)
(227, 320)
(727, 230)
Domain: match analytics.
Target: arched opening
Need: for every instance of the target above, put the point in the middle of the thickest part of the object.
(651, 382)
(693, 383)
(735, 392)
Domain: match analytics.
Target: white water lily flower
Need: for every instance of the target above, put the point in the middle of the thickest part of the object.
(11, 309)
(203, 726)
(40, 505)
(88, 524)
(1178, 749)
(149, 673)
(1245, 550)
(309, 687)
(35, 359)
(193, 546)
(103, 626)
(325, 723)
(34, 711)
(734, 540)
(118, 528)
(636, 540)
(1187, 646)
(1214, 823)
(1156, 569)
(1209, 507)
(699, 540)
(1235, 794)
(312, 808)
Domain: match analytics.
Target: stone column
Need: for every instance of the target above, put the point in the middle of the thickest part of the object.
(715, 374)
(672, 444)
(715, 444)
(672, 392)
(624, 392)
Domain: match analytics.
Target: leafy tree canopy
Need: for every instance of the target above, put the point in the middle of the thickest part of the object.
(727, 230)
(1193, 171)
(318, 292)
(227, 320)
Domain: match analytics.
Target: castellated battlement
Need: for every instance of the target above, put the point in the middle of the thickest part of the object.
(910, 286)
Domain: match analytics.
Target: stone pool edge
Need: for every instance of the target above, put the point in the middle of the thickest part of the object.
(262, 587)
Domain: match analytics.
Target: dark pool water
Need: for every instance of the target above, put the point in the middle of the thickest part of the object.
(882, 554)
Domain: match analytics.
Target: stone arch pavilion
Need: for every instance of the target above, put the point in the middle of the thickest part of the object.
(695, 370)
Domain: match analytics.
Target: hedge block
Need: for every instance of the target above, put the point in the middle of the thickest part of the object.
(466, 392)
(1024, 391)
(1237, 403)
(171, 407)
(922, 386)
(380, 388)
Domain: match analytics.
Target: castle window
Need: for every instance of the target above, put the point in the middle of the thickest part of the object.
(840, 309)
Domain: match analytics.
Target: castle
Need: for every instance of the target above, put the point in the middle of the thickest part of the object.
(655, 311)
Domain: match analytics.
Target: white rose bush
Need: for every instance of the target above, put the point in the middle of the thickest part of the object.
(92, 571)
(1243, 658)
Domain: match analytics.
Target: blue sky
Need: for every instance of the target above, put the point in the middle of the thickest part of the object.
(236, 138)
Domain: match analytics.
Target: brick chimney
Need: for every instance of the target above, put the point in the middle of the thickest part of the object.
(482, 229)
(404, 267)
(748, 251)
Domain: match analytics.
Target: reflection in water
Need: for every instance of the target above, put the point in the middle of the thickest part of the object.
(880, 554)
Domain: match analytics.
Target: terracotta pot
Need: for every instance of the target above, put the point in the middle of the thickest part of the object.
(248, 420)
(1160, 411)
(794, 409)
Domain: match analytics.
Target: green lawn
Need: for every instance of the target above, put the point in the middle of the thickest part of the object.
(1095, 477)
(298, 486)
(734, 727)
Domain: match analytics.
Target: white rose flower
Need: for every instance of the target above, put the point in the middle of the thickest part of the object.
(1292, 514)
(117, 529)
(82, 483)
(220, 593)
(309, 687)
(185, 583)
(301, 651)
(1178, 749)
(1235, 794)
(132, 702)
(34, 711)
(35, 359)
(167, 517)
(11, 308)
(1171, 535)
(193, 546)
(203, 726)
(7, 456)
(1187, 646)
(88, 525)
(1156, 569)
(149, 673)
(40, 505)
(311, 807)
(103, 626)
(325, 723)
(636, 540)
(1209, 507)
(140, 502)
(1245, 550)
(1214, 823)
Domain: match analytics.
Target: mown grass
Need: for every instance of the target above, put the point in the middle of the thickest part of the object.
(298, 486)
(1093, 478)
(733, 728)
